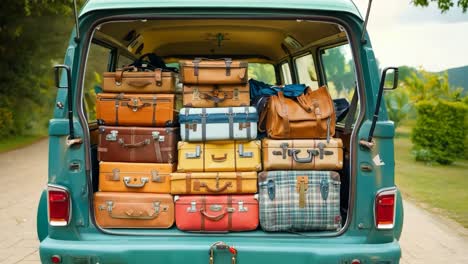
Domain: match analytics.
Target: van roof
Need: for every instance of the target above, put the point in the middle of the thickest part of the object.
(325, 5)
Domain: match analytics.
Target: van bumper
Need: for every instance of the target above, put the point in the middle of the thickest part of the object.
(183, 250)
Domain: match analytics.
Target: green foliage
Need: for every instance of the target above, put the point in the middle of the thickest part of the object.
(262, 72)
(398, 105)
(443, 5)
(339, 72)
(33, 35)
(440, 131)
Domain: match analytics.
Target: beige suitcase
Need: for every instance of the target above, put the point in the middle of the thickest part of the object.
(302, 154)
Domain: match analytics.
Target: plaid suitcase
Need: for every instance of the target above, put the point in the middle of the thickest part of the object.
(299, 200)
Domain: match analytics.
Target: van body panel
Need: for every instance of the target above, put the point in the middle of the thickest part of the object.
(82, 241)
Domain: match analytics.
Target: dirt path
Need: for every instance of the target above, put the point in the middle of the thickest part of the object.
(23, 173)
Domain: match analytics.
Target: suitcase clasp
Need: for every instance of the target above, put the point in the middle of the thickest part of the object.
(324, 188)
(243, 154)
(112, 136)
(301, 187)
(194, 155)
(271, 189)
(322, 150)
(157, 136)
(192, 208)
(242, 208)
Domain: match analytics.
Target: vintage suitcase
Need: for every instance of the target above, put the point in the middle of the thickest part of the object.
(222, 123)
(133, 210)
(311, 115)
(219, 156)
(128, 80)
(213, 71)
(216, 213)
(302, 154)
(213, 182)
(136, 109)
(299, 200)
(138, 144)
(216, 95)
(135, 177)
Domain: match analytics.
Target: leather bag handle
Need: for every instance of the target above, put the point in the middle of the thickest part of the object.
(139, 84)
(158, 76)
(213, 217)
(130, 214)
(216, 190)
(219, 159)
(119, 73)
(215, 99)
(136, 145)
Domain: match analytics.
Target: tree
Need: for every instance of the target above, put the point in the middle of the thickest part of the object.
(338, 71)
(443, 5)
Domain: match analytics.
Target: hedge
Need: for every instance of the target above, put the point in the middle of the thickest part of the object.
(440, 131)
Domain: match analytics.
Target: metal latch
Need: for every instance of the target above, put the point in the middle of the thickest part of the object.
(243, 154)
(195, 155)
(112, 136)
(157, 136)
(192, 208)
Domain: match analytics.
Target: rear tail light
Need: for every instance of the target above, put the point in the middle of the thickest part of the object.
(59, 204)
(385, 201)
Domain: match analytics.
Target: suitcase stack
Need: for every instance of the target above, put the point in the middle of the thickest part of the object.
(300, 188)
(216, 178)
(137, 149)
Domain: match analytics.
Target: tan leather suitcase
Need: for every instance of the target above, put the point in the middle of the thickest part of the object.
(216, 95)
(213, 71)
(128, 80)
(135, 177)
(133, 210)
(213, 182)
(307, 154)
(138, 144)
(219, 156)
(136, 109)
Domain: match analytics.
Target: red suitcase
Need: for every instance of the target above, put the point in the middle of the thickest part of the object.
(216, 213)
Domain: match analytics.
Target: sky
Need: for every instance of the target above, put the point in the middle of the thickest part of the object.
(402, 34)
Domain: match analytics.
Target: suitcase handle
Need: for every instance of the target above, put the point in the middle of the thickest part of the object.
(213, 217)
(139, 84)
(216, 190)
(215, 99)
(219, 159)
(127, 183)
(312, 153)
(136, 145)
(129, 215)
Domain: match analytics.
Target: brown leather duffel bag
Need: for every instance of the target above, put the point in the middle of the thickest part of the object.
(128, 80)
(213, 71)
(311, 115)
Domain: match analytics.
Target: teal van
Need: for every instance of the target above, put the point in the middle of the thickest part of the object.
(314, 42)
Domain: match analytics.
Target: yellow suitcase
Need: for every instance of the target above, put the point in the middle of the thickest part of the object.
(219, 156)
(214, 182)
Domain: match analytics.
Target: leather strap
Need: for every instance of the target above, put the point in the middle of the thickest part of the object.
(154, 110)
(187, 128)
(239, 182)
(231, 123)
(188, 182)
(284, 117)
(203, 206)
(249, 127)
(203, 124)
(117, 104)
(229, 205)
(157, 150)
(158, 76)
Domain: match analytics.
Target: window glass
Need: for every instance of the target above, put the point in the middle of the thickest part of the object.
(263, 72)
(96, 65)
(339, 71)
(123, 61)
(286, 73)
(306, 71)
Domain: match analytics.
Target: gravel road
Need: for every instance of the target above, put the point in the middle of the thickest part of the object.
(426, 238)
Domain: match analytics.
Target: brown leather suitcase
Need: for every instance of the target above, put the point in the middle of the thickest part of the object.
(135, 177)
(214, 182)
(128, 80)
(216, 95)
(306, 154)
(138, 144)
(136, 109)
(133, 210)
(213, 71)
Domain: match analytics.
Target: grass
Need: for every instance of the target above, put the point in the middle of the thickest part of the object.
(18, 142)
(440, 189)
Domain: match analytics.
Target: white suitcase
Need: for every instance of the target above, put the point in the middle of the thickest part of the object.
(222, 123)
